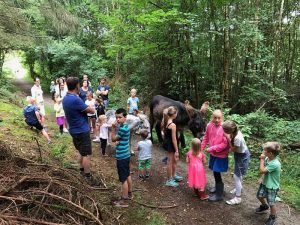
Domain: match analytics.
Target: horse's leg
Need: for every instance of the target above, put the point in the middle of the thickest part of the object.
(158, 132)
(181, 139)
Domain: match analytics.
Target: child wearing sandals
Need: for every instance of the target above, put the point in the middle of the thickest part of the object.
(218, 150)
(241, 158)
(270, 168)
(170, 145)
(196, 171)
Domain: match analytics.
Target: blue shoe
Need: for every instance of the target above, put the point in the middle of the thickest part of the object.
(171, 183)
(165, 160)
(178, 178)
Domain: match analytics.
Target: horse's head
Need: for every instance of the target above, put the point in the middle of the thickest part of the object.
(197, 124)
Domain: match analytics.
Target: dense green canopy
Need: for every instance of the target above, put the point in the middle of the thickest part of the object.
(239, 54)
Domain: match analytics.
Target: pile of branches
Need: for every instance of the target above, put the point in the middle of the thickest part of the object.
(32, 193)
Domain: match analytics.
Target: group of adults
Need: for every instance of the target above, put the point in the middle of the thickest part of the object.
(60, 88)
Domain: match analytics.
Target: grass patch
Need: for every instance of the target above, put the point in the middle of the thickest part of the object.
(146, 216)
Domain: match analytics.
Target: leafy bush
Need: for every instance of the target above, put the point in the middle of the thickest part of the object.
(284, 131)
(259, 122)
(261, 125)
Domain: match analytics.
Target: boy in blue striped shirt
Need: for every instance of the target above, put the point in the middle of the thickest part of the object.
(122, 156)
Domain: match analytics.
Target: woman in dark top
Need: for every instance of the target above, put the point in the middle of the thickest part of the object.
(170, 145)
(84, 90)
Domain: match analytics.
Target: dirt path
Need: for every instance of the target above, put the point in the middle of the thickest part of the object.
(190, 209)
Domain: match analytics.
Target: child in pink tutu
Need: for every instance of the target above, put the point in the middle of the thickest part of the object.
(196, 172)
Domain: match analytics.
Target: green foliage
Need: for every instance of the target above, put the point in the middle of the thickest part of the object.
(284, 131)
(261, 125)
(59, 150)
(118, 95)
(66, 57)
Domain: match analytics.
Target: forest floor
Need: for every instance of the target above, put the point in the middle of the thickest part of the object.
(151, 196)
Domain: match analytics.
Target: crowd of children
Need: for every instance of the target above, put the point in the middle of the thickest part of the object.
(221, 138)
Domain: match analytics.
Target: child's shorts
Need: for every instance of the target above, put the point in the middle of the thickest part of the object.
(123, 169)
(37, 125)
(92, 117)
(269, 194)
(145, 164)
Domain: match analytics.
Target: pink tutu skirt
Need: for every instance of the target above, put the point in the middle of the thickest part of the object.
(60, 120)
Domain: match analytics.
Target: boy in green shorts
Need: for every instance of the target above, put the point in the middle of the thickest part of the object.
(144, 149)
(270, 168)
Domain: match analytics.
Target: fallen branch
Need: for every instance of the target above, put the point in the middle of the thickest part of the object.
(39, 148)
(71, 203)
(4, 192)
(29, 220)
(156, 207)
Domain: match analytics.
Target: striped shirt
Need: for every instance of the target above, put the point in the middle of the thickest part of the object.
(122, 149)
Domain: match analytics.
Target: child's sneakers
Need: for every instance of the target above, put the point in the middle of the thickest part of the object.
(271, 220)
(171, 183)
(233, 191)
(261, 209)
(142, 178)
(165, 160)
(96, 140)
(178, 178)
(121, 203)
(234, 201)
(65, 130)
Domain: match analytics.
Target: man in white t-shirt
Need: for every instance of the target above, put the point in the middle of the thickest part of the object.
(37, 95)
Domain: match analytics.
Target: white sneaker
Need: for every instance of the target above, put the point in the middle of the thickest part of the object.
(66, 130)
(233, 191)
(234, 201)
(96, 140)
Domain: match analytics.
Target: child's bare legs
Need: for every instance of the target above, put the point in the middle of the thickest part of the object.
(273, 210)
(174, 166)
(97, 130)
(66, 125)
(45, 134)
(93, 121)
(147, 173)
(142, 172)
(170, 168)
(263, 201)
(129, 181)
(126, 187)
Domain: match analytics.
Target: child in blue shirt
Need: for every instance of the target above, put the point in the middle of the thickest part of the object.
(132, 102)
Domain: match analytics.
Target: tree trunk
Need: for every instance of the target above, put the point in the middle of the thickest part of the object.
(225, 60)
(2, 57)
(277, 43)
